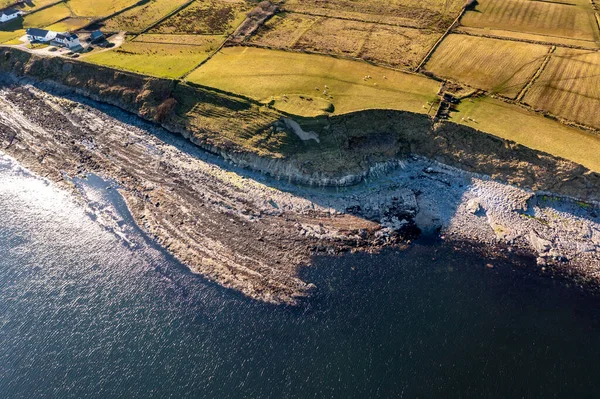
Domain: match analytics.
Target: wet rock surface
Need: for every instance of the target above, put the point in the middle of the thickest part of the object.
(252, 233)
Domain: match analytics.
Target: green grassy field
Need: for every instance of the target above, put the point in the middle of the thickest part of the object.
(169, 59)
(498, 66)
(287, 77)
(47, 16)
(139, 18)
(11, 37)
(531, 130)
(570, 87)
(98, 8)
(536, 17)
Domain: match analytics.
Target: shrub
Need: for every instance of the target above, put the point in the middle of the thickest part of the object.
(165, 109)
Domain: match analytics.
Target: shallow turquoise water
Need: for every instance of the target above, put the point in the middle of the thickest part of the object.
(90, 308)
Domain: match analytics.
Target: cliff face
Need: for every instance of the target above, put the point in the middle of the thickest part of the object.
(135, 93)
(351, 147)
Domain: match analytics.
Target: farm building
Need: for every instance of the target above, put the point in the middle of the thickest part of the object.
(97, 36)
(9, 14)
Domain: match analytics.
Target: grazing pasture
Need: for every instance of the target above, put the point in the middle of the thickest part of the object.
(206, 17)
(336, 36)
(570, 87)
(282, 78)
(284, 30)
(11, 37)
(46, 16)
(515, 123)
(381, 44)
(69, 24)
(552, 19)
(398, 47)
(498, 66)
(29, 5)
(169, 59)
(139, 18)
(413, 13)
(98, 8)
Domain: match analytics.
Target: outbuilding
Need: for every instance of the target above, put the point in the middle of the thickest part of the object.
(97, 36)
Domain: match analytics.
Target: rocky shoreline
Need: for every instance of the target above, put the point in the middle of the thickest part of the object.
(252, 233)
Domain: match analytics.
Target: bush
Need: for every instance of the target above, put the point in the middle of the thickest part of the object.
(165, 109)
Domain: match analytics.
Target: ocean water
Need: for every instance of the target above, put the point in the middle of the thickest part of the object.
(90, 308)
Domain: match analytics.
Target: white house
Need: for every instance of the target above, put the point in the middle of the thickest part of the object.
(69, 40)
(40, 35)
(66, 39)
(9, 14)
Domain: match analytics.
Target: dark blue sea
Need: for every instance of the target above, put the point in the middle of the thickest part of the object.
(90, 308)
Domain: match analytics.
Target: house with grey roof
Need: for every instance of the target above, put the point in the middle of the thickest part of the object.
(65, 39)
(40, 35)
(9, 14)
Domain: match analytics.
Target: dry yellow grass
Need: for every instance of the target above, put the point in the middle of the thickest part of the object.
(536, 17)
(69, 24)
(398, 47)
(206, 17)
(98, 8)
(381, 44)
(284, 30)
(570, 87)
(414, 13)
(139, 18)
(46, 17)
(498, 66)
(499, 33)
(337, 36)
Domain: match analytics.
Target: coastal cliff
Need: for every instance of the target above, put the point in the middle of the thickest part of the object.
(253, 233)
(350, 148)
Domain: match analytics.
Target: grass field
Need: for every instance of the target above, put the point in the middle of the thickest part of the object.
(169, 59)
(206, 17)
(98, 8)
(536, 17)
(527, 36)
(381, 44)
(423, 14)
(570, 87)
(264, 74)
(284, 30)
(32, 5)
(69, 25)
(47, 16)
(10, 37)
(139, 18)
(337, 36)
(531, 130)
(498, 66)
